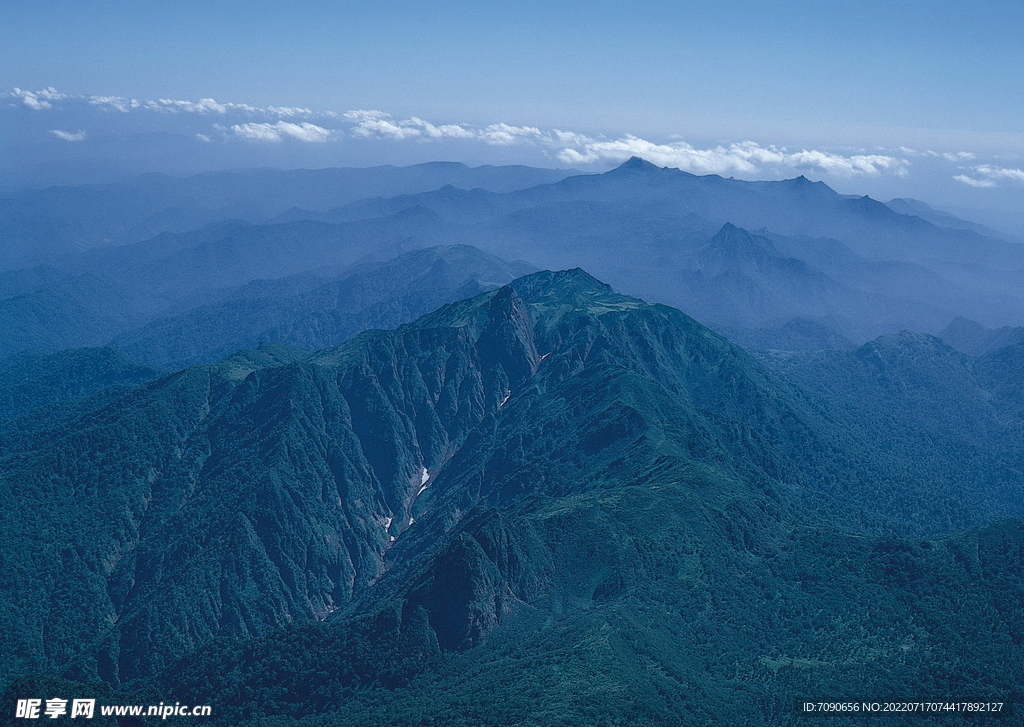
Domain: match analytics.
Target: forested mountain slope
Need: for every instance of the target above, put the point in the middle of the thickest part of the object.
(549, 478)
(149, 302)
(321, 308)
(41, 382)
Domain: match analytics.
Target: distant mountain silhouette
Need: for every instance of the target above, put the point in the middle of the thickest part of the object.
(43, 226)
(848, 264)
(915, 207)
(322, 309)
(973, 338)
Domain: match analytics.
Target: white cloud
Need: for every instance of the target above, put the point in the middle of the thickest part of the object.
(282, 130)
(204, 106)
(115, 103)
(746, 157)
(379, 124)
(204, 138)
(991, 176)
(211, 106)
(955, 157)
(43, 100)
(33, 102)
(294, 111)
(991, 172)
(371, 124)
(846, 166)
(38, 100)
(445, 131)
(570, 138)
(359, 116)
(382, 127)
(505, 135)
(677, 154)
(69, 136)
(570, 147)
(974, 182)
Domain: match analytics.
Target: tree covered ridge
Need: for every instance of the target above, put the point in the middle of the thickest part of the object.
(593, 464)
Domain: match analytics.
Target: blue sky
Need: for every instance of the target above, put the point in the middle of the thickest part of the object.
(901, 98)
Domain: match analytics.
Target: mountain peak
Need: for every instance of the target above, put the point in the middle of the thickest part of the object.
(961, 326)
(902, 343)
(733, 236)
(733, 249)
(803, 182)
(636, 163)
(561, 284)
(543, 290)
(899, 204)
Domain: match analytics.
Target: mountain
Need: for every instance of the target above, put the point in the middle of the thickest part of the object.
(320, 309)
(848, 266)
(44, 226)
(743, 277)
(917, 208)
(973, 338)
(640, 227)
(112, 291)
(55, 311)
(182, 299)
(540, 503)
(184, 269)
(956, 415)
(797, 334)
(633, 609)
(790, 207)
(40, 382)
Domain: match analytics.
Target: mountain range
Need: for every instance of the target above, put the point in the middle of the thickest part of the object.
(543, 504)
(331, 447)
(44, 226)
(773, 264)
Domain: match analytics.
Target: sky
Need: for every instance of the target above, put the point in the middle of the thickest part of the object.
(894, 99)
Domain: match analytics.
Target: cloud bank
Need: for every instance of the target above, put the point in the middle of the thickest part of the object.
(44, 101)
(746, 157)
(987, 175)
(37, 100)
(370, 124)
(244, 123)
(568, 147)
(280, 131)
